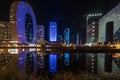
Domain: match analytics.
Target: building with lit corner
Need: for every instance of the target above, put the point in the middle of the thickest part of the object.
(40, 33)
(109, 26)
(52, 31)
(92, 38)
(92, 32)
(5, 34)
(22, 22)
(67, 36)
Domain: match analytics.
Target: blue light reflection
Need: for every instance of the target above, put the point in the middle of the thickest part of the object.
(53, 63)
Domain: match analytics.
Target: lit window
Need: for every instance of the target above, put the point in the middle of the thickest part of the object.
(93, 30)
(93, 26)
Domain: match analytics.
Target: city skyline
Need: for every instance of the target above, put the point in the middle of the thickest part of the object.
(65, 13)
(24, 49)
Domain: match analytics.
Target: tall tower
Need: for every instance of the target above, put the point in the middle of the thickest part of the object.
(67, 36)
(40, 33)
(92, 32)
(78, 38)
(67, 41)
(53, 32)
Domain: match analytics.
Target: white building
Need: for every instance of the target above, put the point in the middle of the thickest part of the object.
(111, 16)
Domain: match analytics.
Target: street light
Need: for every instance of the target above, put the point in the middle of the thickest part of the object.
(87, 18)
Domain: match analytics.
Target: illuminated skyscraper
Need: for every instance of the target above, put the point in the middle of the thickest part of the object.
(67, 41)
(67, 36)
(40, 33)
(4, 31)
(53, 32)
(92, 32)
(22, 22)
(92, 37)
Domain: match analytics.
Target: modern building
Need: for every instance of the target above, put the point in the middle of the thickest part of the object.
(78, 39)
(67, 36)
(40, 33)
(60, 38)
(53, 32)
(5, 34)
(22, 22)
(92, 37)
(109, 26)
(92, 32)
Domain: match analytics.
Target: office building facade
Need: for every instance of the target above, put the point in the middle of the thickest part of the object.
(92, 38)
(53, 32)
(109, 32)
(67, 36)
(22, 22)
(5, 34)
(40, 33)
(92, 32)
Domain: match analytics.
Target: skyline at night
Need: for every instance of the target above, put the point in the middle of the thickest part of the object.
(66, 13)
(60, 40)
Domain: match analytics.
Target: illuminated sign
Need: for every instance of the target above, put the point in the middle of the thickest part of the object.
(53, 32)
(53, 63)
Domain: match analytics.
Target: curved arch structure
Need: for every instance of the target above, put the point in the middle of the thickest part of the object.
(22, 29)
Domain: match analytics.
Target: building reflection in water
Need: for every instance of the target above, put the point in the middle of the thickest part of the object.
(66, 56)
(53, 63)
(40, 59)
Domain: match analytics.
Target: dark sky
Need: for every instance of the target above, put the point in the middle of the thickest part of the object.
(67, 13)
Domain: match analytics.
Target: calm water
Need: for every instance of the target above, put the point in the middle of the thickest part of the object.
(21, 64)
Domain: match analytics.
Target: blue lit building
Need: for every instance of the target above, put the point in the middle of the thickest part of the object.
(53, 32)
(67, 41)
(22, 22)
(67, 36)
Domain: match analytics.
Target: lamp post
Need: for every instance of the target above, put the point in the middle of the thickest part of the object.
(87, 19)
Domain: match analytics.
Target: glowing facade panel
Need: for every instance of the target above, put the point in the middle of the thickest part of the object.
(52, 31)
(67, 36)
(53, 63)
(18, 22)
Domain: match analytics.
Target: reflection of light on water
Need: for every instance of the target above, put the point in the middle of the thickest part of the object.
(38, 49)
(1, 50)
(116, 55)
(66, 58)
(13, 51)
(23, 50)
(53, 63)
(32, 49)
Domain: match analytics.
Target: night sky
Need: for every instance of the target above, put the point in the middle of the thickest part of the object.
(67, 13)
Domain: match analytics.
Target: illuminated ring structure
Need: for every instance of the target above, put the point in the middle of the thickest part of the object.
(19, 11)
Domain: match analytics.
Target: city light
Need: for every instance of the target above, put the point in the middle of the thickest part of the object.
(95, 14)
